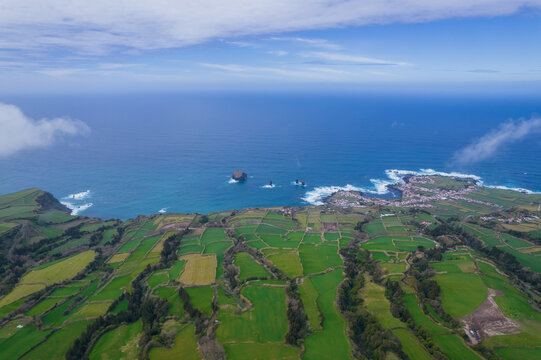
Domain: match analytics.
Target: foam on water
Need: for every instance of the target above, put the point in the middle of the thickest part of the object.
(269, 186)
(75, 202)
(76, 209)
(79, 196)
(162, 210)
(232, 181)
(394, 177)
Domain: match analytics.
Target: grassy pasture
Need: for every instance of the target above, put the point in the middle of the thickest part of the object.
(198, 270)
(380, 243)
(287, 261)
(261, 323)
(331, 342)
(420, 317)
(60, 271)
(117, 258)
(42, 306)
(411, 345)
(213, 235)
(454, 348)
(15, 343)
(309, 296)
(65, 291)
(156, 279)
(119, 343)
(92, 310)
(261, 351)
(318, 258)
(263, 229)
(218, 248)
(58, 343)
(376, 302)
(114, 289)
(278, 241)
(394, 268)
(461, 293)
(176, 307)
(185, 347)
(201, 298)
(514, 242)
(518, 353)
(248, 267)
(190, 249)
(312, 238)
(19, 292)
(380, 255)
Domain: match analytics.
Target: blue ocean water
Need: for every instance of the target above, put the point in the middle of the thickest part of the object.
(176, 152)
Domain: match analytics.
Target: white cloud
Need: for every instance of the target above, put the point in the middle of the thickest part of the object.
(99, 26)
(278, 52)
(489, 144)
(308, 74)
(320, 43)
(18, 132)
(353, 59)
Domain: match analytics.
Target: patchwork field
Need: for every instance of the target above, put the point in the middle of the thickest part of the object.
(198, 270)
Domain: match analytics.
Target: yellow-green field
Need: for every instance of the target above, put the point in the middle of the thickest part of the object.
(198, 270)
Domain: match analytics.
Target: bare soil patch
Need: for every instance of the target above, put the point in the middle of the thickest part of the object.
(488, 320)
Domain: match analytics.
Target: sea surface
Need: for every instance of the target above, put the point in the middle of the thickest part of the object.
(176, 152)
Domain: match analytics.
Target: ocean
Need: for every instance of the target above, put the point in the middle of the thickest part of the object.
(175, 152)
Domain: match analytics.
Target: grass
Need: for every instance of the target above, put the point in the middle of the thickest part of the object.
(287, 261)
(65, 291)
(117, 258)
(376, 302)
(249, 269)
(312, 238)
(185, 347)
(20, 340)
(380, 255)
(58, 343)
(266, 351)
(331, 342)
(114, 289)
(523, 354)
(420, 318)
(374, 227)
(119, 343)
(318, 258)
(411, 345)
(218, 248)
(309, 296)
(175, 270)
(380, 243)
(11, 307)
(92, 310)
(394, 268)
(201, 298)
(261, 323)
(212, 235)
(461, 293)
(60, 271)
(454, 348)
(19, 292)
(199, 269)
(176, 307)
(158, 279)
(514, 242)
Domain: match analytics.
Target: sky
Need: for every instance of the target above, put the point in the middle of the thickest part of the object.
(160, 45)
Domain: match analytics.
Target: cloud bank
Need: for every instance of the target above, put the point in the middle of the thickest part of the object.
(101, 26)
(18, 132)
(489, 145)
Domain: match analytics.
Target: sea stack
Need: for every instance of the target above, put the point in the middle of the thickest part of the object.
(239, 175)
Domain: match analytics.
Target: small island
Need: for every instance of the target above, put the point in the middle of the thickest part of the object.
(239, 175)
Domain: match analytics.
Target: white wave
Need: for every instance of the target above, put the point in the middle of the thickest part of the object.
(76, 209)
(316, 196)
(79, 196)
(298, 184)
(395, 176)
(232, 181)
(269, 186)
(162, 210)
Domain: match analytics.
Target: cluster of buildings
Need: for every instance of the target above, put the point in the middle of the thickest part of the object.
(412, 196)
(512, 219)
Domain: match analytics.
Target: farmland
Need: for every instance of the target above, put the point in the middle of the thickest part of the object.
(445, 281)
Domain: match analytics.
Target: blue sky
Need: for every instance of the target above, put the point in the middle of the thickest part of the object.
(484, 45)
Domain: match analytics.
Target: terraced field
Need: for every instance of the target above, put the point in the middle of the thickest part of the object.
(272, 283)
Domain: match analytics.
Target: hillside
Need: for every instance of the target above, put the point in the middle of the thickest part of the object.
(452, 270)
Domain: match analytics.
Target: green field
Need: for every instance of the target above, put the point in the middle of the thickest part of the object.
(185, 347)
(285, 260)
(120, 343)
(318, 258)
(261, 323)
(248, 267)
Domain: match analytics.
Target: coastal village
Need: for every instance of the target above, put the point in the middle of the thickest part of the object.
(414, 194)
